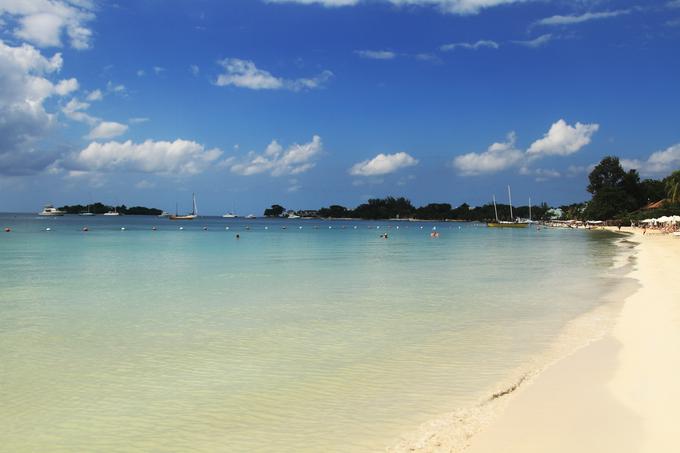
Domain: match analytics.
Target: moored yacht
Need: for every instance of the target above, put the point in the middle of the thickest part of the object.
(51, 211)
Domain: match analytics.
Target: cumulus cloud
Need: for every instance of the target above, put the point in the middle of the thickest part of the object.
(24, 86)
(499, 156)
(107, 129)
(560, 140)
(563, 139)
(461, 7)
(658, 163)
(181, 157)
(383, 164)
(278, 161)
(376, 54)
(577, 19)
(484, 43)
(44, 22)
(244, 74)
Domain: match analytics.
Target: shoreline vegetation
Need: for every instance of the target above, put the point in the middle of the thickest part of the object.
(618, 198)
(100, 208)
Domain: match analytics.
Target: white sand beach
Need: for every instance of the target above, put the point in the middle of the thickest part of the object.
(619, 394)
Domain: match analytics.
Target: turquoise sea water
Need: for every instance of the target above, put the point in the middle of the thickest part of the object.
(325, 338)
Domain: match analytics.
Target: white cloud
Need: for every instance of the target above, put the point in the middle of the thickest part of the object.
(95, 95)
(577, 19)
(180, 157)
(75, 110)
(461, 7)
(658, 163)
(43, 22)
(24, 120)
(194, 70)
(107, 129)
(499, 156)
(472, 46)
(65, 87)
(294, 160)
(244, 74)
(158, 70)
(537, 42)
(141, 73)
(138, 120)
(563, 139)
(383, 164)
(560, 140)
(376, 54)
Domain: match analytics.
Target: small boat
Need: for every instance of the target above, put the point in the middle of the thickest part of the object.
(192, 216)
(86, 213)
(250, 216)
(230, 215)
(51, 211)
(506, 224)
(112, 213)
(164, 214)
(293, 216)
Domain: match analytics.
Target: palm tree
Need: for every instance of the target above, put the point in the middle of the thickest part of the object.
(673, 187)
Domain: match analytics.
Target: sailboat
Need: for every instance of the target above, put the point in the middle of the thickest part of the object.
(112, 213)
(505, 224)
(192, 216)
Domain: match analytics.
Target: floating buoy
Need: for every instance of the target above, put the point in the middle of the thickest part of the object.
(153, 228)
(283, 228)
(226, 228)
(434, 228)
(86, 229)
(181, 228)
(122, 228)
(266, 228)
(7, 230)
(48, 229)
(205, 228)
(397, 227)
(300, 227)
(330, 227)
(421, 228)
(247, 228)
(355, 227)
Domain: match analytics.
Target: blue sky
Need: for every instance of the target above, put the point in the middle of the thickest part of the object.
(307, 103)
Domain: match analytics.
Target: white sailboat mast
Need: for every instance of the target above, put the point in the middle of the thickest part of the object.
(195, 211)
(530, 209)
(495, 209)
(512, 217)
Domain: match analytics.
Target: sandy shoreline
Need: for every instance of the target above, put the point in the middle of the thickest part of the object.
(616, 394)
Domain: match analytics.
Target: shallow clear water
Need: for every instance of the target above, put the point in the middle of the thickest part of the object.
(287, 340)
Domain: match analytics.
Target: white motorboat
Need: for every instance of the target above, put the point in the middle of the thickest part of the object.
(51, 211)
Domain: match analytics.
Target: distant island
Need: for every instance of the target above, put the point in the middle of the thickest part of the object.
(100, 208)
